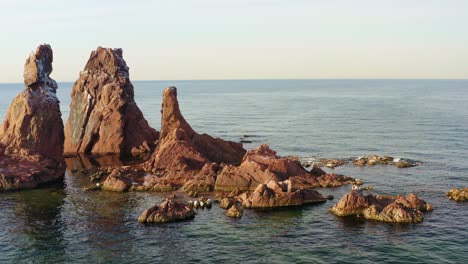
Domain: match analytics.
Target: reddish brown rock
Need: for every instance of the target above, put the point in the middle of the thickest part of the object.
(167, 211)
(118, 181)
(397, 209)
(258, 166)
(104, 117)
(323, 181)
(279, 194)
(31, 136)
(263, 165)
(181, 152)
(204, 181)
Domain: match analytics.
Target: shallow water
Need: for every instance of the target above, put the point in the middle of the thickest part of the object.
(424, 120)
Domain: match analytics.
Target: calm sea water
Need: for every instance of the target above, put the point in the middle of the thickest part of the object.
(425, 120)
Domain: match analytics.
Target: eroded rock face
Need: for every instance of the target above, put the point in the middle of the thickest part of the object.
(204, 181)
(397, 209)
(31, 136)
(279, 194)
(167, 211)
(181, 152)
(459, 195)
(104, 117)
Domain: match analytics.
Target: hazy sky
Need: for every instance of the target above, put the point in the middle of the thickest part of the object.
(243, 39)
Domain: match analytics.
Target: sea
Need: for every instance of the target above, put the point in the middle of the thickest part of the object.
(421, 120)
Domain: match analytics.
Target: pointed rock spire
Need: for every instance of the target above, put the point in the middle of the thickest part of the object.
(181, 152)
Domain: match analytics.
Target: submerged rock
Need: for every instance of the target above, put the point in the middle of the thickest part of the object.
(167, 211)
(182, 153)
(279, 194)
(372, 160)
(397, 209)
(104, 117)
(459, 195)
(31, 136)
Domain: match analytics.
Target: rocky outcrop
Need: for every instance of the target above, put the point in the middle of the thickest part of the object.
(31, 136)
(235, 211)
(204, 181)
(104, 117)
(279, 194)
(167, 211)
(257, 167)
(118, 181)
(263, 165)
(182, 153)
(459, 195)
(397, 209)
(323, 181)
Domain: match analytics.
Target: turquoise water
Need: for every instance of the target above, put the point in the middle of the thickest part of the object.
(424, 120)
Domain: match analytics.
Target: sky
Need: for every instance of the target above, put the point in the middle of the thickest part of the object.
(242, 39)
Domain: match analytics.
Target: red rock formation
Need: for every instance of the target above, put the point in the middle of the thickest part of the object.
(167, 211)
(118, 181)
(258, 166)
(204, 181)
(382, 208)
(279, 194)
(104, 117)
(181, 152)
(31, 136)
(263, 165)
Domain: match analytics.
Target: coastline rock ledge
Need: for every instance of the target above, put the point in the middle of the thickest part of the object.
(104, 117)
(31, 136)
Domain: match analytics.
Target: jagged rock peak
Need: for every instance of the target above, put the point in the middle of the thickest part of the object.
(104, 117)
(110, 61)
(38, 67)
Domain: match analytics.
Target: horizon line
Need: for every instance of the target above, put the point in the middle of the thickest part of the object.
(277, 79)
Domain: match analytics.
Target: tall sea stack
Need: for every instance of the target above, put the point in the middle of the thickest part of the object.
(31, 136)
(104, 117)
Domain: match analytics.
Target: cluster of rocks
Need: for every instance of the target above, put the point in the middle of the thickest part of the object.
(372, 160)
(459, 195)
(200, 163)
(369, 160)
(104, 119)
(396, 209)
(233, 207)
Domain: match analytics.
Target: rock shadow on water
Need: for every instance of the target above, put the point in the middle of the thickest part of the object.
(80, 161)
(38, 225)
